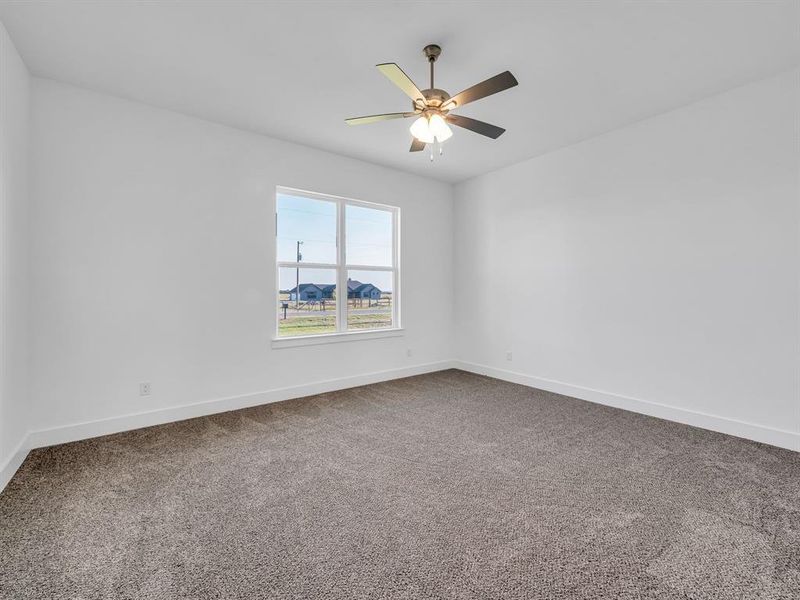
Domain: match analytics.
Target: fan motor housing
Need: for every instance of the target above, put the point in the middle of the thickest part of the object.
(434, 98)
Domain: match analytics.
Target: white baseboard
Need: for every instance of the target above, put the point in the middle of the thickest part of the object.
(90, 429)
(14, 462)
(80, 431)
(759, 433)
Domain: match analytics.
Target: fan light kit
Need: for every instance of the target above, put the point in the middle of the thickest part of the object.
(432, 106)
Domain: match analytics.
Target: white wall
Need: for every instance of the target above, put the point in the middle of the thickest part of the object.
(152, 260)
(14, 91)
(655, 264)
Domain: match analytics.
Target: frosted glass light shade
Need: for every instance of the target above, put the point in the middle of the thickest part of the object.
(439, 128)
(421, 130)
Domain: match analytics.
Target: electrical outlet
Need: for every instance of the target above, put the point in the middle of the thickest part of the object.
(509, 356)
(409, 353)
(144, 388)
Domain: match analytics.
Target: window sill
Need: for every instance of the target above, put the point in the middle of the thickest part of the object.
(333, 338)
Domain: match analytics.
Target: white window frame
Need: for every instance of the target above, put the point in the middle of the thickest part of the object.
(341, 267)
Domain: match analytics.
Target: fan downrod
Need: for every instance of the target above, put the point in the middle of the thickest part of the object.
(434, 98)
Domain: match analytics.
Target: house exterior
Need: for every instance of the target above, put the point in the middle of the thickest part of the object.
(328, 291)
(313, 292)
(356, 289)
(308, 292)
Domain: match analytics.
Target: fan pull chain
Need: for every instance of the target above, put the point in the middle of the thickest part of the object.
(436, 144)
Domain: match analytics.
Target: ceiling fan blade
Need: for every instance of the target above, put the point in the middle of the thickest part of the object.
(416, 145)
(492, 131)
(401, 80)
(495, 84)
(376, 118)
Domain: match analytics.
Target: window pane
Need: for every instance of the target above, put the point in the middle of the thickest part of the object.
(306, 301)
(310, 222)
(369, 236)
(369, 299)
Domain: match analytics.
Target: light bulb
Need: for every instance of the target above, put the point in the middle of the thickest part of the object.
(439, 128)
(421, 130)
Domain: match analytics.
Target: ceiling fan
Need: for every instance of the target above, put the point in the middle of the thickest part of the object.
(432, 106)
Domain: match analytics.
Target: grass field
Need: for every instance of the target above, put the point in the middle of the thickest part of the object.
(317, 321)
(307, 325)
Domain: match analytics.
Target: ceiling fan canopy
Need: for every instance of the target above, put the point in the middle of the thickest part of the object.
(433, 106)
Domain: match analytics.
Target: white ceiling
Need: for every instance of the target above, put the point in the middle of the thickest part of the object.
(296, 70)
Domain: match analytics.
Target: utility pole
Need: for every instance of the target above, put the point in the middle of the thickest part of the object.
(297, 277)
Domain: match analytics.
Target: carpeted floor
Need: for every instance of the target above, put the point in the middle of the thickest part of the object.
(446, 485)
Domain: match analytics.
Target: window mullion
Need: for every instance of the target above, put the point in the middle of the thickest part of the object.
(396, 268)
(305, 265)
(341, 270)
(368, 268)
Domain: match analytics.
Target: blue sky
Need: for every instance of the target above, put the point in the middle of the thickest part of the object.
(369, 240)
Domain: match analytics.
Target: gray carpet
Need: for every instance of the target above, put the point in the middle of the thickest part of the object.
(447, 485)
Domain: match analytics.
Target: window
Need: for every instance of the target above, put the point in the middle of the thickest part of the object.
(337, 265)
